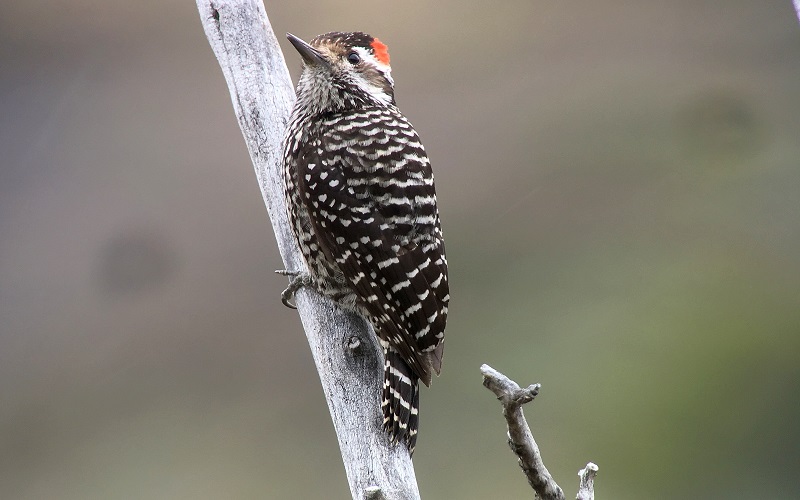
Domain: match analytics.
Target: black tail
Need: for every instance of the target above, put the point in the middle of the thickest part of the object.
(400, 402)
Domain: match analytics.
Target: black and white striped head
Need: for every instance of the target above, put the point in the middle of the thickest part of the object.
(343, 71)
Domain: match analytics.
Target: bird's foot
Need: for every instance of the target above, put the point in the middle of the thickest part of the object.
(297, 280)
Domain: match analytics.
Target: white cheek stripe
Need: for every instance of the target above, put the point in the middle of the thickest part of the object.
(384, 68)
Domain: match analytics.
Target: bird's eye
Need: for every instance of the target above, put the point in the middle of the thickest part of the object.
(353, 58)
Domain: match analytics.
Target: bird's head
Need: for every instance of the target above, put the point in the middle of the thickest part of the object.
(343, 71)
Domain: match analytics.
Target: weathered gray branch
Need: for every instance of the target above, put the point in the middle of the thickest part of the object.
(521, 441)
(586, 485)
(346, 354)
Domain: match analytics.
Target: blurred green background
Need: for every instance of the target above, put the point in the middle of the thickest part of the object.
(619, 186)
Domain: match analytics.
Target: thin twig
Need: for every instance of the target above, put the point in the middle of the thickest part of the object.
(520, 438)
(521, 441)
(586, 485)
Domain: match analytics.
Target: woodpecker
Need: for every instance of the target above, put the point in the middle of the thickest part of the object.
(362, 206)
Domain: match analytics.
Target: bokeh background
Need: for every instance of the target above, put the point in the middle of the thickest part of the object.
(619, 186)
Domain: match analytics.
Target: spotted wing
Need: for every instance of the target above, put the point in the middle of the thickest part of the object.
(370, 196)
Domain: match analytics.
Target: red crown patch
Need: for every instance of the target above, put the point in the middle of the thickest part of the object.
(381, 51)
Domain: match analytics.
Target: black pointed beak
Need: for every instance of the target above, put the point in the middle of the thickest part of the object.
(310, 54)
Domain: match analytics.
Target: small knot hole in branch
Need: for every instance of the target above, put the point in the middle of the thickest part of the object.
(374, 493)
(354, 345)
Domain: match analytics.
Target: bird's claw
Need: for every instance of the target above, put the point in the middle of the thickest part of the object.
(297, 280)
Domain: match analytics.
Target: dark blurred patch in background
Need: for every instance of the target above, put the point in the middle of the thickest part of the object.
(619, 189)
